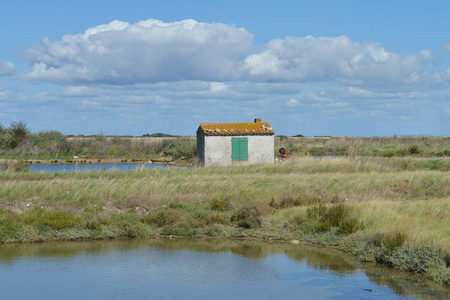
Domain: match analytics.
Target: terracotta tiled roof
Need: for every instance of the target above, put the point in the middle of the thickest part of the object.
(237, 128)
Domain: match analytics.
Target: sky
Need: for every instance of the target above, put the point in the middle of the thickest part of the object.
(323, 67)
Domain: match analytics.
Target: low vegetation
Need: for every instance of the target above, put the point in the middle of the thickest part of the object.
(18, 142)
(390, 210)
(416, 146)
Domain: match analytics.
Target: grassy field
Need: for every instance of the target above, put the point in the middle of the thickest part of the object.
(418, 146)
(391, 210)
(54, 146)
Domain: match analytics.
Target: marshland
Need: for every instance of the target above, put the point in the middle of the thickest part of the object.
(381, 199)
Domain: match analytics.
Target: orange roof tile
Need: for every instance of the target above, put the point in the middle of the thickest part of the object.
(237, 128)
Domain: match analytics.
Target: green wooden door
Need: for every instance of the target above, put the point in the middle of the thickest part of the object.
(239, 149)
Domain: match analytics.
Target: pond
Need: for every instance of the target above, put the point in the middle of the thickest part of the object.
(69, 168)
(198, 269)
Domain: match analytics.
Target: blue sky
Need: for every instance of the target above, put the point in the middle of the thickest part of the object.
(340, 68)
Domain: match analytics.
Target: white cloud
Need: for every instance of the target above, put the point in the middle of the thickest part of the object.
(11, 96)
(442, 78)
(333, 59)
(218, 87)
(155, 54)
(291, 102)
(146, 52)
(83, 91)
(91, 105)
(358, 92)
(446, 47)
(196, 72)
(7, 68)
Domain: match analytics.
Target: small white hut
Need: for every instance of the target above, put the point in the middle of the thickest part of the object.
(226, 144)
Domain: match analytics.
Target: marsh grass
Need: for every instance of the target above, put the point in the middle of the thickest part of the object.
(53, 145)
(424, 146)
(376, 208)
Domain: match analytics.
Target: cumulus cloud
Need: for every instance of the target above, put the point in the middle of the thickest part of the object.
(333, 59)
(221, 59)
(7, 68)
(146, 52)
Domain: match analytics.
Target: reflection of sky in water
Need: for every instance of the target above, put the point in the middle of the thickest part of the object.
(93, 167)
(150, 272)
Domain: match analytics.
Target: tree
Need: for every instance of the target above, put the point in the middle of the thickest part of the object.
(18, 131)
(3, 138)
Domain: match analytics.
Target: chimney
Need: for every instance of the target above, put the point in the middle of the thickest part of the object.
(257, 120)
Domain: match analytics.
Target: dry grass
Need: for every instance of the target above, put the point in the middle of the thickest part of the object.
(53, 145)
(426, 146)
(423, 221)
(384, 197)
(327, 179)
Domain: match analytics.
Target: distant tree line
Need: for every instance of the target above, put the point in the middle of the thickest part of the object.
(158, 134)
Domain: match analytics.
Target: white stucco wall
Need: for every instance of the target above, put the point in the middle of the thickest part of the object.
(261, 149)
(218, 150)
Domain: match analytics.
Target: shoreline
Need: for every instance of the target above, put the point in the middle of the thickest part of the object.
(85, 161)
(340, 243)
(390, 211)
(402, 283)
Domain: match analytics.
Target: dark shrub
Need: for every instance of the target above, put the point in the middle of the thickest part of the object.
(19, 132)
(8, 229)
(388, 153)
(92, 225)
(213, 218)
(317, 212)
(33, 216)
(291, 201)
(350, 226)
(180, 148)
(335, 216)
(166, 217)
(323, 227)
(39, 217)
(447, 260)
(414, 149)
(395, 240)
(337, 213)
(220, 204)
(249, 216)
(59, 219)
(377, 239)
(50, 141)
(403, 152)
(388, 240)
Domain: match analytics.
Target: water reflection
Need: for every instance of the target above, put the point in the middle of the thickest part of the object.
(280, 260)
(70, 168)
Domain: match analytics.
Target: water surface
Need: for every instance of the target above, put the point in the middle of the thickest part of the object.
(69, 168)
(198, 269)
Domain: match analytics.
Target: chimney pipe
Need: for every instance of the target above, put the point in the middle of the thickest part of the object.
(257, 120)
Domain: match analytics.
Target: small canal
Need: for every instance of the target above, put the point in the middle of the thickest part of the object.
(70, 168)
(198, 269)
